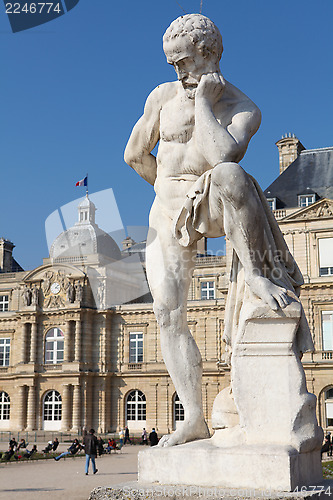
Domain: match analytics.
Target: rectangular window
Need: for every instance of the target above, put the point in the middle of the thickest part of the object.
(325, 256)
(207, 290)
(49, 351)
(327, 330)
(304, 200)
(4, 303)
(4, 352)
(136, 347)
(272, 203)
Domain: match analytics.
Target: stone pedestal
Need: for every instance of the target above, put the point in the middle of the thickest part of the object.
(274, 443)
(268, 381)
(202, 463)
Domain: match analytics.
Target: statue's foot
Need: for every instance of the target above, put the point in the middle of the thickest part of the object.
(188, 431)
(275, 296)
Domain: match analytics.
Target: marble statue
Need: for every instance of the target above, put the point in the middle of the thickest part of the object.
(203, 125)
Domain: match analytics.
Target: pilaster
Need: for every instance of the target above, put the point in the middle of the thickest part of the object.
(66, 404)
(31, 410)
(76, 408)
(78, 339)
(33, 344)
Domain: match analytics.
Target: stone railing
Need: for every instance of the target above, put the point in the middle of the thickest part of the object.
(211, 259)
(279, 214)
(134, 366)
(51, 366)
(327, 355)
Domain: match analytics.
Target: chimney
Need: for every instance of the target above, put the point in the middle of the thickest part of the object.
(289, 149)
(6, 259)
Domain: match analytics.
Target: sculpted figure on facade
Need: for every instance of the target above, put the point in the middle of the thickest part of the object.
(46, 283)
(78, 291)
(202, 125)
(70, 293)
(35, 296)
(26, 294)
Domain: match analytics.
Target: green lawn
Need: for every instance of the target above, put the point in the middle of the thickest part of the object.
(328, 470)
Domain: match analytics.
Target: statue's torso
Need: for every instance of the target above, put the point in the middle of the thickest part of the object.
(179, 160)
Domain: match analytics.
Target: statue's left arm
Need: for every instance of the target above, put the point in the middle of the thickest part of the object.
(216, 142)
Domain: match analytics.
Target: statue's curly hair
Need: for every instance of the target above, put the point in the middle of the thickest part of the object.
(201, 31)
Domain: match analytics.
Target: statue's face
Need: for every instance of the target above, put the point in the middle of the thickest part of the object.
(189, 63)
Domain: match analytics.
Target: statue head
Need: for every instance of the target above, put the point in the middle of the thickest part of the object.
(194, 29)
(193, 45)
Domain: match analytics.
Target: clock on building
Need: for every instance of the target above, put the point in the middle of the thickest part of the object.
(55, 288)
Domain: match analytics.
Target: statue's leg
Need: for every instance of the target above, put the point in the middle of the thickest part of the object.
(169, 271)
(244, 218)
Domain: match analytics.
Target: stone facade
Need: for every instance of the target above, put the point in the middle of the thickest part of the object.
(66, 364)
(97, 373)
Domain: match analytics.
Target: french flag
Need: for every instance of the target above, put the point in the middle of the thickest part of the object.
(82, 182)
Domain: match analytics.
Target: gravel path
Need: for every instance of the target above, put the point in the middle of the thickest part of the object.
(50, 480)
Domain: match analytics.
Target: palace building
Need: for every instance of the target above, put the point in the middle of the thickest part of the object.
(79, 342)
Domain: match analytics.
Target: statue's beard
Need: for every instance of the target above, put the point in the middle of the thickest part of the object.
(190, 90)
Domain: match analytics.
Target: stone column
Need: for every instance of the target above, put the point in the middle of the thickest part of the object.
(31, 410)
(67, 408)
(108, 364)
(24, 330)
(22, 407)
(87, 340)
(33, 344)
(76, 408)
(102, 407)
(102, 344)
(78, 340)
(67, 341)
(108, 403)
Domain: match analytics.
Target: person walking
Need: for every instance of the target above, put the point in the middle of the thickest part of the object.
(90, 446)
(153, 438)
(127, 436)
(121, 438)
(144, 436)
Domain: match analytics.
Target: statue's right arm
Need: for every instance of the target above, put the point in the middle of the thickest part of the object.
(144, 137)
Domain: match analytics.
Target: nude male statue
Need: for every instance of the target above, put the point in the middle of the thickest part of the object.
(203, 125)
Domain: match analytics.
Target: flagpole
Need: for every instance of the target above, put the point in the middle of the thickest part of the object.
(87, 186)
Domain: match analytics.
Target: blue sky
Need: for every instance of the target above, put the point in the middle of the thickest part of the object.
(72, 90)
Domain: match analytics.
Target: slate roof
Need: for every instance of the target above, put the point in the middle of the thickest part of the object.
(311, 172)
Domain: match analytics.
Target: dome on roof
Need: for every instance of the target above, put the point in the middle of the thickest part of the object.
(85, 237)
(87, 203)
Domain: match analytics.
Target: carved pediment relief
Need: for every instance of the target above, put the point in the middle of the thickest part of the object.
(38, 274)
(320, 209)
(53, 285)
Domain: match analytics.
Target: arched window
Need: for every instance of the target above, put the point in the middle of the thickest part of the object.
(52, 410)
(178, 411)
(329, 407)
(54, 346)
(4, 406)
(136, 409)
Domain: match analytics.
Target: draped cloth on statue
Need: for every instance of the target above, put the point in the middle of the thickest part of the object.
(278, 265)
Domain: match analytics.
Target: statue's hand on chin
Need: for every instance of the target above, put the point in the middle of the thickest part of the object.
(210, 87)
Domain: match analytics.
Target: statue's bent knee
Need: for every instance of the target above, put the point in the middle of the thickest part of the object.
(230, 179)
